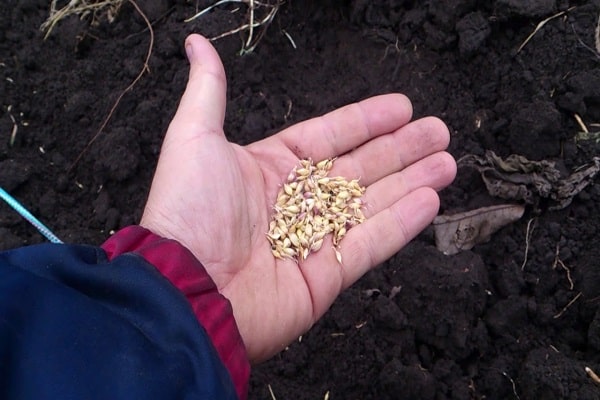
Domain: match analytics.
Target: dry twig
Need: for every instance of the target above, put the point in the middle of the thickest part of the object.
(253, 22)
(597, 35)
(127, 89)
(15, 127)
(271, 392)
(592, 375)
(541, 25)
(83, 8)
(557, 262)
(528, 233)
(569, 304)
(513, 384)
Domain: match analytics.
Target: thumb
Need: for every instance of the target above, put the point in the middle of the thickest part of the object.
(202, 106)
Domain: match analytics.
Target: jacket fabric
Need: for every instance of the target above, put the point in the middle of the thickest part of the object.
(136, 318)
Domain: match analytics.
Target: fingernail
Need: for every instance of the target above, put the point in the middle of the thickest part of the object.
(189, 51)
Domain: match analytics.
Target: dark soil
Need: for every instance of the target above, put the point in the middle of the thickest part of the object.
(421, 326)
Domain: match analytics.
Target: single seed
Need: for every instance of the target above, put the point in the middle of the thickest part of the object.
(320, 235)
(316, 246)
(282, 228)
(299, 189)
(308, 230)
(281, 201)
(305, 253)
(273, 236)
(292, 209)
(294, 239)
(338, 255)
(289, 251)
(322, 164)
(343, 195)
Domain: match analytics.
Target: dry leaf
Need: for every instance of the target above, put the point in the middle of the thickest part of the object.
(462, 231)
(597, 36)
(517, 178)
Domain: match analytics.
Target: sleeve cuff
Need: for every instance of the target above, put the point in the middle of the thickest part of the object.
(185, 272)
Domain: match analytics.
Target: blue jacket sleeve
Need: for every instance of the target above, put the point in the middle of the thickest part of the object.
(75, 326)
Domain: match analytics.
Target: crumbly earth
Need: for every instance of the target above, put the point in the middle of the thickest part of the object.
(422, 325)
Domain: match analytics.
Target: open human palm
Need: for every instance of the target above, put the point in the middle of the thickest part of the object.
(216, 198)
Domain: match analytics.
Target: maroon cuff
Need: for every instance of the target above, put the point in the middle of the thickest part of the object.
(186, 273)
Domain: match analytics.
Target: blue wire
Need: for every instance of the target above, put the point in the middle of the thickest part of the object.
(18, 207)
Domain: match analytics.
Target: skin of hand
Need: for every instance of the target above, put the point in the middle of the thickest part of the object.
(216, 198)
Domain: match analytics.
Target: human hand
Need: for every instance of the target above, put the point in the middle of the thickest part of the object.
(216, 198)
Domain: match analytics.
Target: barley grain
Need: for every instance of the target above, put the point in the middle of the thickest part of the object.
(311, 205)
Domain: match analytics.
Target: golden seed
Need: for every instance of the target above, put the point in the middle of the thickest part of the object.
(294, 239)
(292, 209)
(316, 246)
(303, 172)
(343, 195)
(289, 251)
(273, 236)
(281, 201)
(281, 222)
(290, 200)
(305, 253)
(308, 230)
(322, 164)
(304, 242)
(338, 255)
(323, 196)
(320, 235)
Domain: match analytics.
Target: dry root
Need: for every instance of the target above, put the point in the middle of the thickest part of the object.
(97, 9)
(259, 16)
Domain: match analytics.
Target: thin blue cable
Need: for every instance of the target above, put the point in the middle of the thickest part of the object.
(18, 207)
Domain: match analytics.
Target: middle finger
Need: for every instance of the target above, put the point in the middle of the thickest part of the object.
(393, 152)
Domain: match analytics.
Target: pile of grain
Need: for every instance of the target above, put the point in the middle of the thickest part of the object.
(311, 205)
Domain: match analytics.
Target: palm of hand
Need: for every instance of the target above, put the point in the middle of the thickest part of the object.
(216, 198)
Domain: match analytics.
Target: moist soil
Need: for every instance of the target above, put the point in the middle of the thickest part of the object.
(514, 318)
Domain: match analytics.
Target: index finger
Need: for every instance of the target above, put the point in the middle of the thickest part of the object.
(342, 130)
